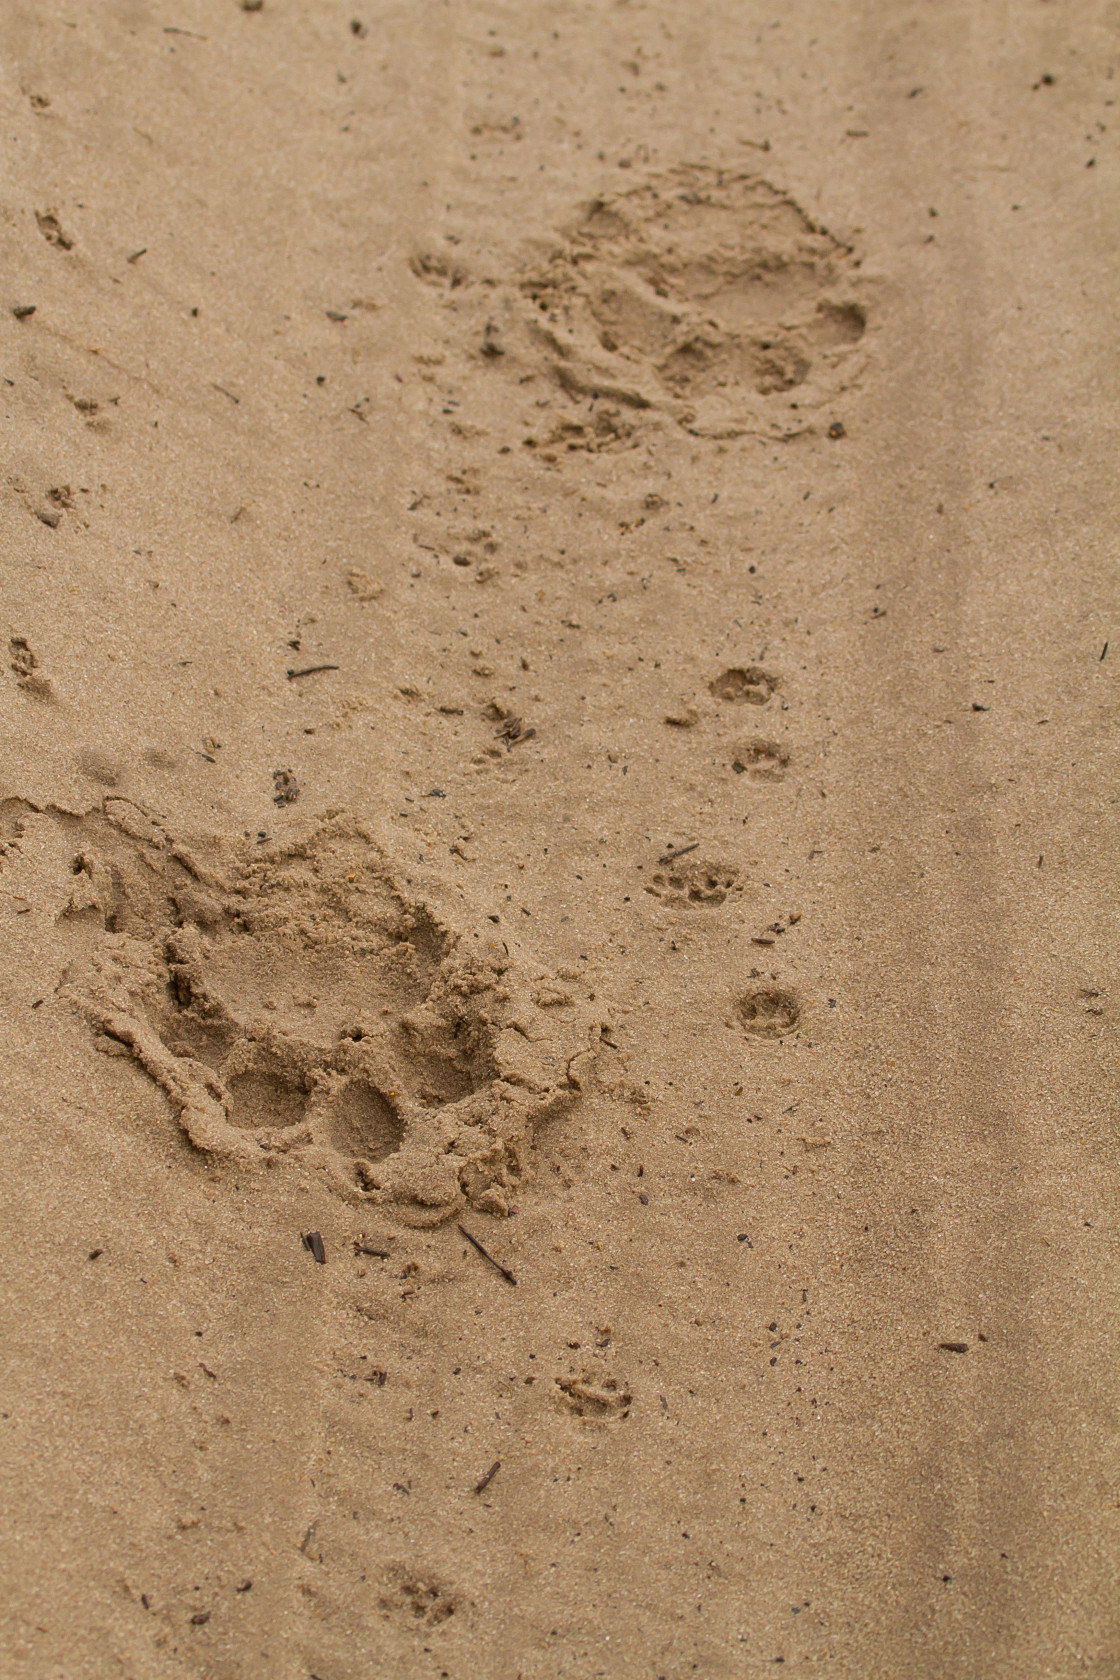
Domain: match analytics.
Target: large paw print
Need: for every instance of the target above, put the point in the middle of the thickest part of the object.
(305, 1008)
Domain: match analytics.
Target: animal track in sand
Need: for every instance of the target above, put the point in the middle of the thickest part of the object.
(595, 1397)
(768, 1011)
(744, 685)
(24, 666)
(698, 884)
(437, 269)
(418, 1598)
(708, 294)
(296, 1002)
(763, 761)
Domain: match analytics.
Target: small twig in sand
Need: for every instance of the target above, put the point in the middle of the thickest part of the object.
(497, 1264)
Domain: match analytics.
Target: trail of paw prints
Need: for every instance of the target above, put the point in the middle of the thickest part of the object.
(769, 1011)
(296, 1005)
(705, 294)
(682, 879)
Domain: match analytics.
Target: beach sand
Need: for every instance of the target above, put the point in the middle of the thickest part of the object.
(557, 840)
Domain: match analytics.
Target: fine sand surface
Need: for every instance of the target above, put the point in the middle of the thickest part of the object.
(460, 456)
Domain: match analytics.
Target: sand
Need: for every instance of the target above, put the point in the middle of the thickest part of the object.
(557, 841)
